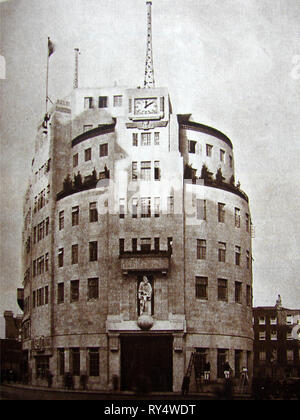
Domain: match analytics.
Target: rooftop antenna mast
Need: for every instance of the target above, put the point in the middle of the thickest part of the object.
(149, 70)
(77, 52)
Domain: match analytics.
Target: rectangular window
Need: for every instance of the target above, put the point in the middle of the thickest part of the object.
(273, 335)
(75, 254)
(209, 150)
(222, 155)
(237, 217)
(146, 139)
(121, 246)
(61, 219)
(222, 290)
(75, 216)
(237, 255)
(61, 361)
(134, 244)
(145, 207)
(103, 101)
(33, 299)
(60, 257)
(192, 146)
(60, 293)
(93, 248)
(273, 320)
(118, 100)
(93, 362)
(75, 361)
(289, 319)
(201, 209)
(135, 139)
(201, 249)
(156, 139)
(93, 213)
(170, 205)
(201, 287)
(122, 208)
(93, 288)
(35, 235)
(145, 244)
(87, 127)
(262, 320)
(222, 252)
(230, 161)
(156, 170)
(238, 292)
(262, 356)
(146, 171)
(262, 335)
(103, 151)
(47, 226)
(42, 366)
(74, 291)
(88, 154)
(134, 208)
(75, 160)
(134, 171)
(247, 223)
(46, 295)
(156, 206)
(88, 102)
(221, 213)
(249, 295)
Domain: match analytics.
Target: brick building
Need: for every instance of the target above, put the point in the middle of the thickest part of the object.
(136, 244)
(276, 345)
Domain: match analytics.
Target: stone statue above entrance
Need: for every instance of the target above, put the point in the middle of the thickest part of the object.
(145, 295)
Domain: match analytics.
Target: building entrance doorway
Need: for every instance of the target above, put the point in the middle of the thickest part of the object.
(147, 361)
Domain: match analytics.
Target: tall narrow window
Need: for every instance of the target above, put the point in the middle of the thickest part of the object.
(230, 161)
(222, 290)
(61, 361)
(222, 155)
(88, 154)
(201, 209)
(222, 252)
(170, 205)
(247, 223)
(134, 208)
(145, 207)
(135, 139)
(61, 219)
(247, 259)
(118, 100)
(75, 254)
(103, 150)
(156, 206)
(134, 171)
(93, 213)
(170, 245)
(93, 288)
(237, 217)
(237, 255)
(46, 295)
(75, 361)
(156, 244)
(75, 160)
(146, 171)
(209, 150)
(145, 244)
(75, 216)
(47, 226)
(93, 362)
(134, 244)
(156, 170)
(192, 146)
(88, 102)
(60, 293)
(238, 292)
(121, 246)
(74, 291)
(201, 287)
(33, 299)
(60, 257)
(46, 262)
(156, 139)
(122, 208)
(201, 249)
(93, 248)
(146, 139)
(221, 213)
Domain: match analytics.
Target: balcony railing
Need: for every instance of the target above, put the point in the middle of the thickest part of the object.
(145, 261)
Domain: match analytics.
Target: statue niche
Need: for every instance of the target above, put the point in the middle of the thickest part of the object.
(145, 296)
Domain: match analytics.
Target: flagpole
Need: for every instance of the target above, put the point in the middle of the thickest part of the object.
(47, 76)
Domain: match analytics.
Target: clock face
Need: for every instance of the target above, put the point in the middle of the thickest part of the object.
(145, 106)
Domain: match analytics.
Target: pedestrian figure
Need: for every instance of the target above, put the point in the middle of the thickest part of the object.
(207, 371)
(227, 370)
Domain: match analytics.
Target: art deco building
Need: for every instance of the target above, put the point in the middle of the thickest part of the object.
(137, 243)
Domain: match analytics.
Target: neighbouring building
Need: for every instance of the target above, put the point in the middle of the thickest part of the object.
(276, 341)
(136, 243)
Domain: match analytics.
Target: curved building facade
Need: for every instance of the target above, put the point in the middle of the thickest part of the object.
(122, 190)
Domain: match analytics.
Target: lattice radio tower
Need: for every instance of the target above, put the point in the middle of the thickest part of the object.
(149, 70)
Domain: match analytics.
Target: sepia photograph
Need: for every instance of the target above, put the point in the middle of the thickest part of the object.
(150, 202)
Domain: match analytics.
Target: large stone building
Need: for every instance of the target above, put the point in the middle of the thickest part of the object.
(137, 243)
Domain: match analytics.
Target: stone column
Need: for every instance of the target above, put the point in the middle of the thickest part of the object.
(212, 357)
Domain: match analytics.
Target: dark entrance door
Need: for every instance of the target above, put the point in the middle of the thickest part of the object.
(147, 359)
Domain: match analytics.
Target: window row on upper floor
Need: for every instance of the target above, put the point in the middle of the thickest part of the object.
(103, 101)
(43, 170)
(103, 152)
(42, 199)
(194, 147)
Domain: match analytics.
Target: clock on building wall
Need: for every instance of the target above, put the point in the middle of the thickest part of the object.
(145, 108)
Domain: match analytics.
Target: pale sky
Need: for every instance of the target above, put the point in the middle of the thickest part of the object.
(233, 64)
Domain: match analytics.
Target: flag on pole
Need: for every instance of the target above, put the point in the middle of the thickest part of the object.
(51, 47)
